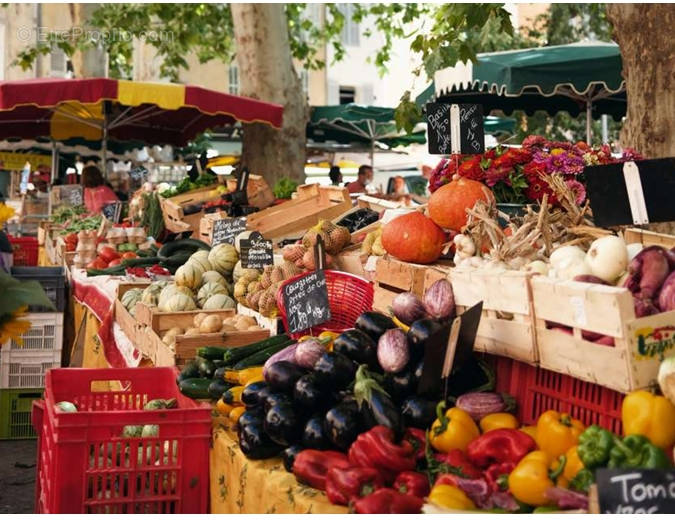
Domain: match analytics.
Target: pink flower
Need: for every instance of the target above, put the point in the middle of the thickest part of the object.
(578, 189)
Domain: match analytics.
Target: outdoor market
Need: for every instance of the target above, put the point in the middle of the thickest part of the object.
(469, 314)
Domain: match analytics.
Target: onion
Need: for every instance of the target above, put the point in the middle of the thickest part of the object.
(565, 253)
(308, 352)
(608, 258)
(439, 300)
(589, 278)
(408, 308)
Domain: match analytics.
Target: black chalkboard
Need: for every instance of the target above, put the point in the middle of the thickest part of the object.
(608, 196)
(256, 252)
(138, 173)
(439, 129)
(75, 196)
(227, 229)
(636, 491)
(306, 301)
(112, 211)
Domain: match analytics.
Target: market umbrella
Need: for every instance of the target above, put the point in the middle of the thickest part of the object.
(585, 76)
(104, 108)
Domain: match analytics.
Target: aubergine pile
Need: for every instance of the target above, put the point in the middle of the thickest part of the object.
(312, 397)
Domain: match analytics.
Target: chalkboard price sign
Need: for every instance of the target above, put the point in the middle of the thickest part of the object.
(306, 302)
(227, 229)
(455, 128)
(256, 252)
(75, 196)
(112, 211)
(138, 173)
(636, 491)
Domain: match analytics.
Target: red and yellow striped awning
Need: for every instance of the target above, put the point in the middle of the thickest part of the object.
(156, 113)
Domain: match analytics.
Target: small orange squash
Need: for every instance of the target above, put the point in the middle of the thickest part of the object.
(448, 205)
(413, 238)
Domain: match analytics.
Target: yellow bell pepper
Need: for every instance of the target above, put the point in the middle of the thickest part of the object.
(649, 415)
(571, 466)
(236, 413)
(305, 338)
(223, 408)
(530, 430)
(530, 479)
(330, 336)
(557, 432)
(450, 497)
(453, 430)
(499, 420)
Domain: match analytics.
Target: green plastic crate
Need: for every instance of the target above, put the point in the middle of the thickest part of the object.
(15, 412)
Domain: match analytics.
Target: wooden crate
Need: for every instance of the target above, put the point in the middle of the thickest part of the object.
(639, 343)
(206, 224)
(126, 321)
(273, 325)
(175, 219)
(186, 346)
(507, 322)
(648, 238)
(258, 191)
(393, 277)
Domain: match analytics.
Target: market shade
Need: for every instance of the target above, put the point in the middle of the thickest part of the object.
(102, 108)
(579, 77)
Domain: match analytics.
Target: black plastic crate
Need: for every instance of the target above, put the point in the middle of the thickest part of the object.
(53, 281)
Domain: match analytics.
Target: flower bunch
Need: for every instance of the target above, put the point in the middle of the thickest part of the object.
(515, 174)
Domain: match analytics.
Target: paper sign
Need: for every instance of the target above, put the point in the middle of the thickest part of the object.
(226, 230)
(455, 128)
(256, 252)
(636, 491)
(306, 302)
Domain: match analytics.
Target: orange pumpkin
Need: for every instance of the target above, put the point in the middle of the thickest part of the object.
(413, 238)
(448, 205)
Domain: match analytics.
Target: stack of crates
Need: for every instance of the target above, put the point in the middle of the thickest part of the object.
(23, 365)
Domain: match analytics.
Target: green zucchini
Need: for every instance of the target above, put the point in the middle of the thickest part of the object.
(260, 357)
(219, 374)
(217, 388)
(206, 369)
(232, 355)
(190, 370)
(116, 270)
(170, 248)
(195, 388)
(140, 262)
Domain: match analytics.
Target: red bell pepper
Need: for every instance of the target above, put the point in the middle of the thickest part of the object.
(413, 483)
(376, 449)
(388, 501)
(312, 466)
(418, 439)
(497, 476)
(345, 485)
(500, 446)
(456, 462)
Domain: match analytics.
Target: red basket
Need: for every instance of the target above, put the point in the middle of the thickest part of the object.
(348, 296)
(538, 390)
(85, 465)
(25, 251)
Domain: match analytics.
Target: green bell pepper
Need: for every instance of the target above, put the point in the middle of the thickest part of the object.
(636, 451)
(582, 481)
(595, 444)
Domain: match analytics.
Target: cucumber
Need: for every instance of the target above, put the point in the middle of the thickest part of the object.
(171, 248)
(232, 355)
(195, 388)
(260, 357)
(217, 388)
(206, 369)
(140, 262)
(190, 370)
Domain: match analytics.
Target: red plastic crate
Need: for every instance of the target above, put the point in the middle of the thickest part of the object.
(86, 466)
(348, 296)
(538, 390)
(25, 250)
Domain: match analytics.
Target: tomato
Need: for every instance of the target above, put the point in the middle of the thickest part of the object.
(129, 255)
(97, 263)
(115, 262)
(108, 254)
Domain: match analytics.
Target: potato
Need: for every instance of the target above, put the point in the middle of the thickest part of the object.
(241, 325)
(175, 330)
(248, 320)
(212, 323)
(230, 321)
(255, 328)
(169, 338)
(198, 319)
(228, 328)
(193, 331)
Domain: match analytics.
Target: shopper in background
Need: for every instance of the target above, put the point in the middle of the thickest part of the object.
(365, 176)
(96, 192)
(335, 175)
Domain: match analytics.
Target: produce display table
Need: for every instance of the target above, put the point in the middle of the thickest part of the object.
(242, 486)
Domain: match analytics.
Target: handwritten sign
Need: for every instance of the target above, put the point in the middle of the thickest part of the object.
(463, 133)
(67, 194)
(227, 229)
(112, 211)
(306, 302)
(138, 173)
(636, 491)
(256, 252)
(75, 196)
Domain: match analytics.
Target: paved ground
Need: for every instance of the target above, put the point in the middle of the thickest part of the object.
(17, 476)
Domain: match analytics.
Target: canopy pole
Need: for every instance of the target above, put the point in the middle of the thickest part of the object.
(589, 115)
(104, 142)
(372, 154)
(605, 129)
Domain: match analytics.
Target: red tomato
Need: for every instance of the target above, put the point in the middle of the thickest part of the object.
(108, 254)
(97, 263)
(115, 262)
(129, 255)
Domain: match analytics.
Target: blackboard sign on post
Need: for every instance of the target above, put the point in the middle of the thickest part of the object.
(256, 252)
(455, 128)
(306, 301)
(636, 491)
(227, 229)
(112, 211)
(75, 197)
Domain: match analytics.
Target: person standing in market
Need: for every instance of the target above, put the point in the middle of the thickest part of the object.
(365, 176)
(96, 192)
(335, 175)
